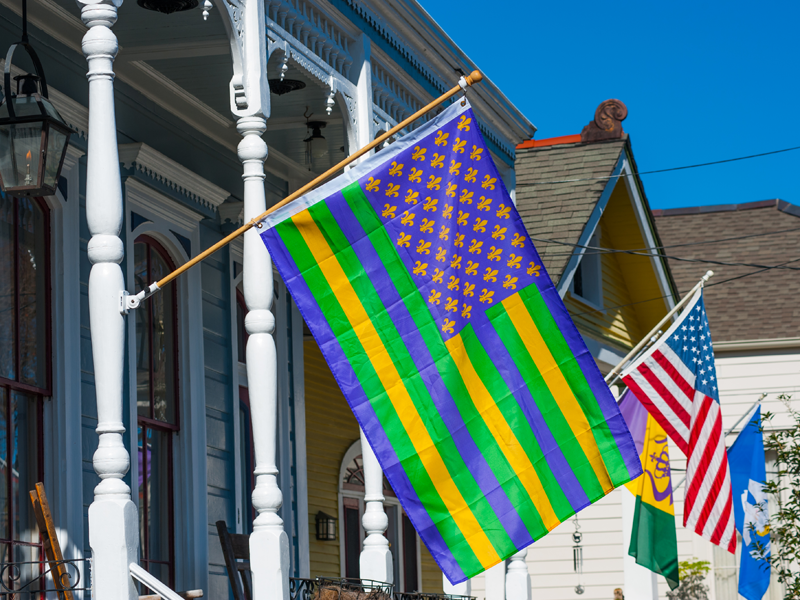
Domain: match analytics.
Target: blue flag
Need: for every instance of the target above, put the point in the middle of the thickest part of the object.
(748, 475)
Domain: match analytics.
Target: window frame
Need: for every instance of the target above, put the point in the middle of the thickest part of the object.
(593, 261)
(36, 393)
(352, 493)
(47, 391)
(157, 426)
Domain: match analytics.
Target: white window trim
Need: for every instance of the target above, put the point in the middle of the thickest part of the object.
(189, 450)
(63, 416)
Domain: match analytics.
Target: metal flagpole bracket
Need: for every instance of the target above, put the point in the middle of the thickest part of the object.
(129, 302)
(464, 85)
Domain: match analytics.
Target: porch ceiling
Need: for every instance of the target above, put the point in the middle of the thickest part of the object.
(185, 52)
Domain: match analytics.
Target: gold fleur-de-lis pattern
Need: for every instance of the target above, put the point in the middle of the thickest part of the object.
(453, 224)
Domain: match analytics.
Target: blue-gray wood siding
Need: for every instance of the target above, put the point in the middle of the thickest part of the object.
(220, 407)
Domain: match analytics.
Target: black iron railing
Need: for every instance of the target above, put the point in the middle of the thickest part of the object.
(328, 588)
(36, 577)
(424, 596)
(302, 589)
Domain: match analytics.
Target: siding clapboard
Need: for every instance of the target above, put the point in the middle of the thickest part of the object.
(331, 429)
(220, 407)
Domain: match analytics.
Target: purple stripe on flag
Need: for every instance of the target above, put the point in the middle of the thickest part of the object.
(556, 461)
(635, 415)
(594, 378)
(425, 364)
(362, 409)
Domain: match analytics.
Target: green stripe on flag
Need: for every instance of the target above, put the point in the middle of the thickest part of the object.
(540, 313)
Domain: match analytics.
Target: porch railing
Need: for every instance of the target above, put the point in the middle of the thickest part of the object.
(424, 596)
(326, 588)
(36, 577)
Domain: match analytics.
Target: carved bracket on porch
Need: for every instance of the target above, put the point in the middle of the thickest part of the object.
(244, 24)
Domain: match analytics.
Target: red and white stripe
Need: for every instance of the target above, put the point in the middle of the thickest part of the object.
(665, 385)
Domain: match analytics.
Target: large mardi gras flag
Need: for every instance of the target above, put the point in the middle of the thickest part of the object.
(430, 304)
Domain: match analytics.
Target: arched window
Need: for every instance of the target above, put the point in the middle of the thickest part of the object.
(401, 534)
(157, 393)
(24, 368)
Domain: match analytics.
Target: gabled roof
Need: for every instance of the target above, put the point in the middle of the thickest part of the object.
(758, 307)
(578, 174)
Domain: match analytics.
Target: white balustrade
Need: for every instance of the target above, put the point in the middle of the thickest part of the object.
(375, 561)
(460, 589)
(518, 580)
(113, 518)
(269, 545)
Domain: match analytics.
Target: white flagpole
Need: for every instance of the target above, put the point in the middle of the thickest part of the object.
(613, 372)
(650, 342)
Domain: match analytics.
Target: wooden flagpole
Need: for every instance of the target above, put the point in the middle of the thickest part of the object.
(464, 82)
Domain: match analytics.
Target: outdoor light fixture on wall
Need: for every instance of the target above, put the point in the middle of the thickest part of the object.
(326, 527)
(33, 136)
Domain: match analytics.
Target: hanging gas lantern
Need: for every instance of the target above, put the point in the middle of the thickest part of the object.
(33, 136)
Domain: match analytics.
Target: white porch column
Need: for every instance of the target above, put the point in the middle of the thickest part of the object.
(269, 545)
(375, 561)
(518, 580)
(640, 583)
(113, 519)
(495, 579)
(461, 589)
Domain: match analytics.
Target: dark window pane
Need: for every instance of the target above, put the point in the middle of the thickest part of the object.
(142, 333)
(24, 463)
(32, 274)
(409, 555)
(163, 343)
(241, 332)
(352, 542)
(5, 506)
(158, 492)
(577, 280)
(7, 316)
(144, 467)
(245, 450)
(394, 541)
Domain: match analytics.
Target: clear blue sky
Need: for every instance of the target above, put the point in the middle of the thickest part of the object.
(703, 81)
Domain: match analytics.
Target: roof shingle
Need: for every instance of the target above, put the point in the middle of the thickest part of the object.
(758, 307)
(560, 210)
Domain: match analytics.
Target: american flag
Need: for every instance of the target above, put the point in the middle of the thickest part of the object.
(677, 381)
